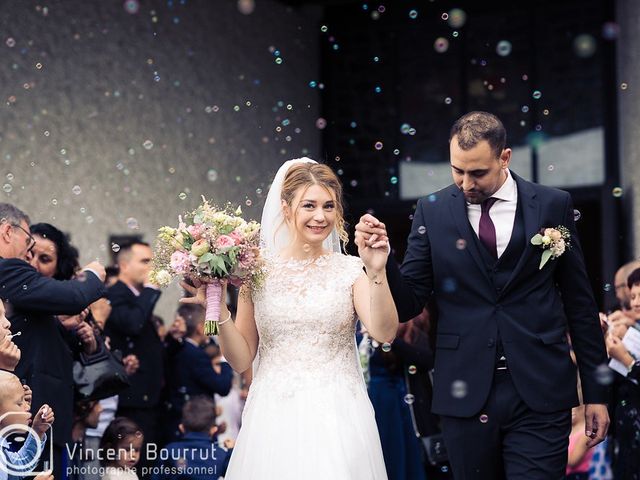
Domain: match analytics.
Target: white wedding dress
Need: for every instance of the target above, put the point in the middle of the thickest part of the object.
(308, 415)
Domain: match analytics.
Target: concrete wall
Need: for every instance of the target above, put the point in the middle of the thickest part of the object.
(114, 120)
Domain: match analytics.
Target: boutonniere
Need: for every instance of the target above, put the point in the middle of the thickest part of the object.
(553, 241)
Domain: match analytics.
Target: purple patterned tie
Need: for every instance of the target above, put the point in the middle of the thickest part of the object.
(487, 231)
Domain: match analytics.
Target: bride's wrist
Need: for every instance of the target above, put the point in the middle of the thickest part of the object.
(376, 277)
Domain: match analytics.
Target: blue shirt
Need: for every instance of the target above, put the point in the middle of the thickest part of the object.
(194, 457)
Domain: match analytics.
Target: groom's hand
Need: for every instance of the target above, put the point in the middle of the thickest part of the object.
(596, 423)
(370, 232)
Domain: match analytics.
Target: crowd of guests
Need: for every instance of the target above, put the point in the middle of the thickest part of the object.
(181, 396)
(60, 316)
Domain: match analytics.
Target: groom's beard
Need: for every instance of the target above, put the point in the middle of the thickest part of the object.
(475, 197)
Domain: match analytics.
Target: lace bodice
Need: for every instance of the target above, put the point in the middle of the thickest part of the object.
(306, 324)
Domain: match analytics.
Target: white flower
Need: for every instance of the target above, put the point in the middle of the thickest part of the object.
(163, 278)
(546, 240)
(558, 248)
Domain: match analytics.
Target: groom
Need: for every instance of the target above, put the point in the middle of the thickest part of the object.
(504, 382)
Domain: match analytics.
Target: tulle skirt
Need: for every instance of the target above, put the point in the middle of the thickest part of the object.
(304, 432)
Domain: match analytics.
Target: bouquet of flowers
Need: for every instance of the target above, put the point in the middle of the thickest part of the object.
(209, 245)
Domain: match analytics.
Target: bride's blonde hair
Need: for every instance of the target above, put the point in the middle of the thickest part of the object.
(304, 175)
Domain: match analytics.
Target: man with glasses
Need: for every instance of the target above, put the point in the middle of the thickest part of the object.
(32, 301)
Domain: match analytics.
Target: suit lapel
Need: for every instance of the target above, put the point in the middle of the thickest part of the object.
(531, 217)
(458, 208)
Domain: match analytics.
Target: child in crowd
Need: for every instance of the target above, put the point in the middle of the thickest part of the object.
(121, 444)
(579, 454)
(14, 413)
(198, 456)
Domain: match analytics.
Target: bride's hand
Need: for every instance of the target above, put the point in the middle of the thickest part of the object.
(373, 248)
(199, 295)
(198, 291)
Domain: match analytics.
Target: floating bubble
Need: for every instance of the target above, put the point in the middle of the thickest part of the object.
(132, 223)
(7, 187)
(39, 66)
(306, 248)
(132, 6)
(449, 285)
(503, 48)
(324, 29)
(278, 61)
(484, 418)
(394, 180)
(551, 168)
(412, 131)
(212, 175)
(422, 229)
(115, 247)
(617, 192)
(461, 244)
(459, 389)
(10, 42)
(321, 123)
(432, 198)
(457, 18)
(258, 191)
(54, 201)
(248, 202)
(576, 215)
(353, 183)
(24, 287)
(604, 375)
(404, 128)
(378, 145)
(76, 190)
(246, 7)
(412, 369)
(386, 347)
(182, 195)
(610, 30)
(89, 219)
(537, 95)
(148, 144)
(445, 16)
(396, 152)
(448, 101)
(606, 287)
(444, 469)
(525, 109)
(623, 86)
(441, 45)
(584, 45)
(409, 399)
(413, 14)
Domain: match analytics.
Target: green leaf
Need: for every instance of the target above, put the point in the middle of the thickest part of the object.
(546, 255)
(536, 240)
(198, 218)
(205, 258)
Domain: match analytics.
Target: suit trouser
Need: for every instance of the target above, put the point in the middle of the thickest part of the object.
(508, 440)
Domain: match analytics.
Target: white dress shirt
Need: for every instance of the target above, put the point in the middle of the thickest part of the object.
(502, 213)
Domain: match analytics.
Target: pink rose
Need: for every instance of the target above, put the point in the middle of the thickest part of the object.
(196, 230)
(180, 262)
(225, 242)
(236, 237)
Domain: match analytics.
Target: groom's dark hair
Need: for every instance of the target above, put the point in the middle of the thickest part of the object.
(474, 127)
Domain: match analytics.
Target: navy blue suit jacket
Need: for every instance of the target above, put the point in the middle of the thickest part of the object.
(191, 373)
(132, 331)
(532, 312)
(46, 363)
(195, 452)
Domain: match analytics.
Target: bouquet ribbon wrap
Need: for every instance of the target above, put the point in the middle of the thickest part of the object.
(212, 315)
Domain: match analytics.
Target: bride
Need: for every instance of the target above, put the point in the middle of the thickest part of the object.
(307, 414)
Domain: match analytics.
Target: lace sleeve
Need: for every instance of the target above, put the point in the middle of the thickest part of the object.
(353, 268)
